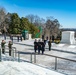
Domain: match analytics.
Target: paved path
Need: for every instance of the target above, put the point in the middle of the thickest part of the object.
(56, 47)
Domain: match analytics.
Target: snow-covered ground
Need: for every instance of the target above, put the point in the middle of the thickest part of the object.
(64, 66)
(49, 62)
(10, 67)
(24, 68)
(61, 46)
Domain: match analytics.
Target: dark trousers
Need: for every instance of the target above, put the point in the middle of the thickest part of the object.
(42, 51)
(39, 48)
(38, 51)
(18, 38)
(49, 48)
(35, 48)
(9, 52)
(21, 38)
(3, 51)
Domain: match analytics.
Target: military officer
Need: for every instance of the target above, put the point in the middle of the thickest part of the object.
(3, 46)
(10, 47)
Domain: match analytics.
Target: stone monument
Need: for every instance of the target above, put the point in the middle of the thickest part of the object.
(68, 37)
(30, 36)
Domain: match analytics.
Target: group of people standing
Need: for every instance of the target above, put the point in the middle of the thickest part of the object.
(9, 46)
(40, 45)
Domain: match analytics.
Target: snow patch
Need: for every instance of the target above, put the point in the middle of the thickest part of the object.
(24, 68)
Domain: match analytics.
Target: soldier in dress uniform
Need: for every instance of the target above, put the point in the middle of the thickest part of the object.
(3, 46)
(10, 47)
(35, 45)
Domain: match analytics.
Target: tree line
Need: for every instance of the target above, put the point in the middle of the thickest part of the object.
(11, 23)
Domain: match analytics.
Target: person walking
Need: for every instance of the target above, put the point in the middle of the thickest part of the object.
(10, 47)
(35, 45)
(3, 46)
(49, 44)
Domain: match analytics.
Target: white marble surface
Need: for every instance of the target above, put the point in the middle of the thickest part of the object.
(68, 37)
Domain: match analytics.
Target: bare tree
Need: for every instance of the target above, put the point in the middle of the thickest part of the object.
(35, 19)
(52, 27)
(2, 16)
(3, 21)
(30, 18)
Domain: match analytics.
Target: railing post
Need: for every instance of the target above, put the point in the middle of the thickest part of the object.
(31, 58)
(55, 63)
(35, 58)
(18, 57)
(12, 53)
(15, 53)
(0, 55)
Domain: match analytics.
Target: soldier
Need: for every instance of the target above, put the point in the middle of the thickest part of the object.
(35, 45)
(49, 44)
(3, 46)
(10, 47)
